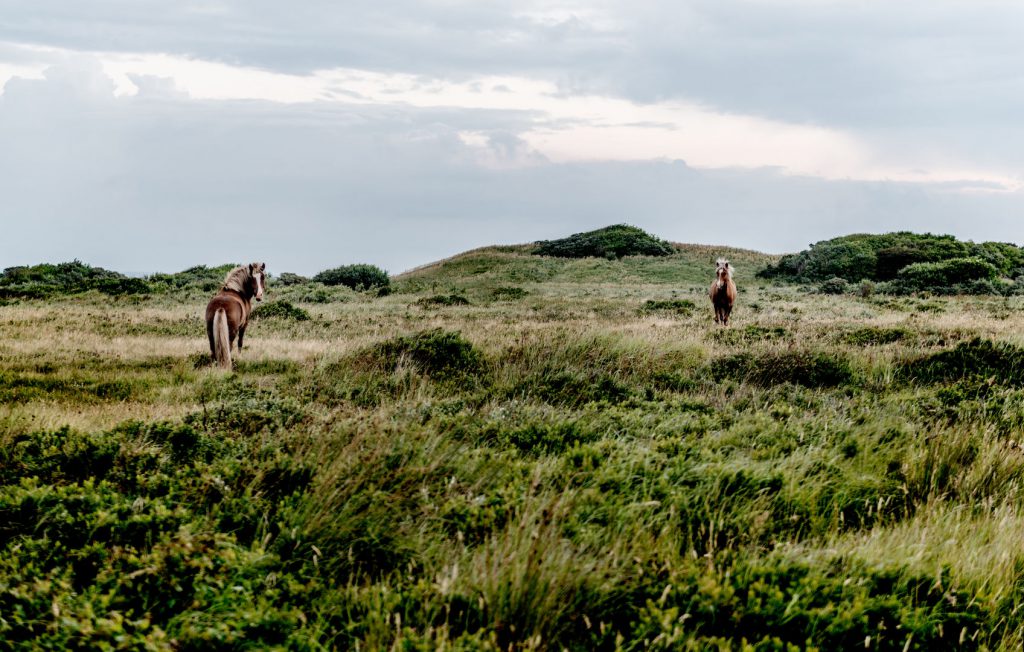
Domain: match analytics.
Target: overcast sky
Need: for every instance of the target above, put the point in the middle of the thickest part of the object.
(145, 135)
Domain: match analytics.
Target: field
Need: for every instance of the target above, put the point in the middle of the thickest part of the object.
(514, 452)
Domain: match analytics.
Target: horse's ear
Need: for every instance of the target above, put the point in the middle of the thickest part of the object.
(263, 266)
(251, 267)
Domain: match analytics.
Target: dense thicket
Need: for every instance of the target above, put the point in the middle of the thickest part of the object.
(39, 281)
(357, 277)
(610, 242)
(924, 261)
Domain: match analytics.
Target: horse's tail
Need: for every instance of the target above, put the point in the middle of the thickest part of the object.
(221, 339)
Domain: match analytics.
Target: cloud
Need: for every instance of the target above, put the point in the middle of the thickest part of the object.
(158, 181)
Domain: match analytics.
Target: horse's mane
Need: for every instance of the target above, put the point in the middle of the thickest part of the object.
(237, 279)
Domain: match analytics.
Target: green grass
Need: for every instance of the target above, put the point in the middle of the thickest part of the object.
(578, 458)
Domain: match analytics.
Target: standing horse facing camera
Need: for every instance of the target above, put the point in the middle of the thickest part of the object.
(723, 292)
(227, 314)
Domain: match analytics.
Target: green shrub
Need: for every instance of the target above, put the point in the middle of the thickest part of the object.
(442, 300)
(674, 306)
(574, 390)
(798, 367)
(834, 285)
(288, 278)
(508, 293)
(201, 277)
(777, 604)
(749, 334)
(280, 310)
(610, 242)
(444, 355)
(978, 358)
(41, 281)
(926, 276)
(874, 335)
(357, 277)
(881, 257)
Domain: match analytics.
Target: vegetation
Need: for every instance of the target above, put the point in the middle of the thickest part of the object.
(595, 466)
(610, 242)
(280, 310)
(42, 281)
(357, 277)
(911, 261)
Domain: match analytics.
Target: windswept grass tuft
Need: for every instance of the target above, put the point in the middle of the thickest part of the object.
(977, 358)
(807, 368)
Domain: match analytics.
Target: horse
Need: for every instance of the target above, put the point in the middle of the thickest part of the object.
(227, 314)
(723, 292)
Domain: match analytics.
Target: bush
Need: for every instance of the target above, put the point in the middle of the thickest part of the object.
(41, 281)
(797, 367)
(777, 604)
(674, 306)
(442, 300)
(201, 277)
(280, 310)
(881, 257)
(926, 276)
(509, 293)
(357, 277)
(287, 278)
(978, 358)
(438, 353)
(834, 285)
(610, 242)
(869, 335)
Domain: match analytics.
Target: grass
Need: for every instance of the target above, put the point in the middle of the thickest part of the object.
(576, 458)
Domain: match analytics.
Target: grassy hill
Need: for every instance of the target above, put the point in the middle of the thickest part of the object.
(571, 457)
(501, 265)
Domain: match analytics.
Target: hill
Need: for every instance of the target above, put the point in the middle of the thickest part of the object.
(501, 265)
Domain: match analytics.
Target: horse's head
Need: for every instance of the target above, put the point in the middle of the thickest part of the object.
(258, 280)
(723, 270)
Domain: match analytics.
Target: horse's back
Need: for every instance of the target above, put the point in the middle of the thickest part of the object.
(233, 308)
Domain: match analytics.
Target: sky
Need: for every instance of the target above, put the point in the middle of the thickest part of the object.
(146, 136)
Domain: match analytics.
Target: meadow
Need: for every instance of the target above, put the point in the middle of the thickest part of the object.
(513, 452)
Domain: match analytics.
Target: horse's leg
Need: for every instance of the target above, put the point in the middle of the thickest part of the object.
(209, 334)
(241, 334)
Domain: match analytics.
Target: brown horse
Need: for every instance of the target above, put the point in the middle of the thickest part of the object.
(723, 292)
(227, 314)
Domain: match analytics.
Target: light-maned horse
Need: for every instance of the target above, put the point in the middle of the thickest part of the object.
(227, 314)
(723, 292)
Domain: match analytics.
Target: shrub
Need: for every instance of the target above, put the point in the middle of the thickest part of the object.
(610, 242)
(834, 285)
(675, 306)
(40, 281)
(797, 367)
(748, 334)
(777, 604)
(280, 310)
(977, 358)
(874, 335)
(442, 300)
(357, 277)
(288, 278)
(509, 293)
(882, 257)
(201, 277)
(929, 276)
(866, 289)
(438, 353)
